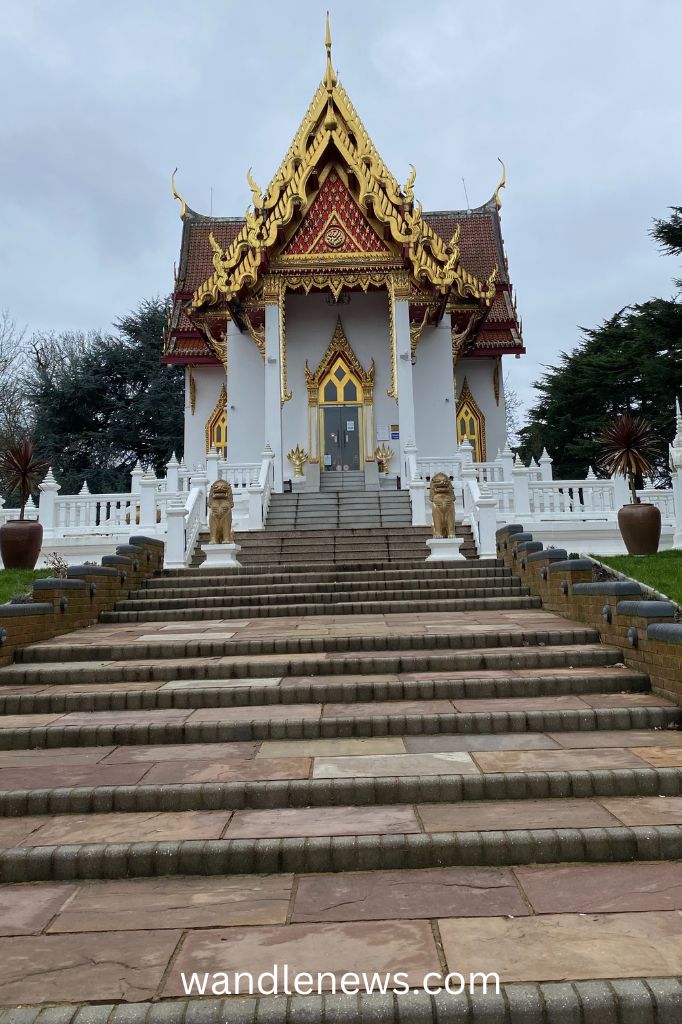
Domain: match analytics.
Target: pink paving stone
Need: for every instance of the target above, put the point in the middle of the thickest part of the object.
(616, 738)
(382, 895)
(257, 713)
(57, 776)
(184, 902)
(53, 756)
(660, 757)
(627, 700)
(28, 721)
(27, 909)
(84, 967)
(367, 709)
(491, 815)
(645, 810)
(232, 770)
(555, 760)
(132, 827)
(322, 821)
(520, 704)
(386, 946)
(602, 888)
(566, 947)
(14, 831)
(157, 753)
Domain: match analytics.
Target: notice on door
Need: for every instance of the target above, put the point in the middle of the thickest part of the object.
(350, 425)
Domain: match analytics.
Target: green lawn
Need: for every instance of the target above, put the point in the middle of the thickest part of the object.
(663, 571)
(18, 581)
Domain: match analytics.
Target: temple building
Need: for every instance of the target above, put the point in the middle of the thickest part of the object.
(339, 317)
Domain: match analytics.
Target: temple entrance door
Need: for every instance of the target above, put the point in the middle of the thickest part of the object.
(341, 433)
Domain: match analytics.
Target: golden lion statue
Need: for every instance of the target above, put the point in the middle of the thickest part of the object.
(220, 505)
(442, 498)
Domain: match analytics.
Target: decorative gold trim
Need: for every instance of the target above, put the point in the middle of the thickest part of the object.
(459, 340)
(393, 390)
(496, 379)
(257, 335)
(218, 411)
(285, 396)
(467, 399)
(218, 346)
(416, 331)
(339, 346)
(192, 391)
(503, 184)
(176, 195)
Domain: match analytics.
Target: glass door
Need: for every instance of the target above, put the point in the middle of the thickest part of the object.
(341, 437)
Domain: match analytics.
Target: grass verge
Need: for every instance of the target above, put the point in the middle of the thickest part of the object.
(662, 571)
(18, 581)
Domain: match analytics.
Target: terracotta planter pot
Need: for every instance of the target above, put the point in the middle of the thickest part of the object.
(640, 527)
(20, 541)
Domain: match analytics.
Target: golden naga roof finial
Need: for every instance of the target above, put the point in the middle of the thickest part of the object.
(329, 76)
(408, 191)
(176, 195)
(257, 195)
(503, 184)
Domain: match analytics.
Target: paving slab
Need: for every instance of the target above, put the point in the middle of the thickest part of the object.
(493, 741)
(645, 810)
(333, 747)
(258, 713)
(382, 765)
(27, 909)
(617, 738)
(386, 946)
(229, 770)
(406, 895)
(55, 756)
(157, 752)
(602, 888)
(660, 757)
(131, 904)
(219, 684)
(84, 967)
(491, 815)
(322, 821)
(55, 776)
(566, 947)
(131, 827)
(556, 760)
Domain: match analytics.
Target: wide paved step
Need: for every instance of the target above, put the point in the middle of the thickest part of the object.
(431, 791)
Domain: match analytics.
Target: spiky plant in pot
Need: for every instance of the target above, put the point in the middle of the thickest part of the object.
(21, 471)
(629, 446)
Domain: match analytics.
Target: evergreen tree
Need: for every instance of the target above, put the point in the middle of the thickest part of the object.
(102, 401)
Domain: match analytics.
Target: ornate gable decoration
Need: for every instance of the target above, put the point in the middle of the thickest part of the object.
(339, 346)
(334, 226)
(331, 131)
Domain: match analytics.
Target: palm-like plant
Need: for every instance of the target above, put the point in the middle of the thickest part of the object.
(21, 470)
(629, 447)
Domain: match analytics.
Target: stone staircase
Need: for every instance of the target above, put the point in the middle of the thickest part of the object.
(339, 509)
(390, 786)
(342, 480)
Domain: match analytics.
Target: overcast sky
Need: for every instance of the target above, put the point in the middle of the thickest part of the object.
(102, 101)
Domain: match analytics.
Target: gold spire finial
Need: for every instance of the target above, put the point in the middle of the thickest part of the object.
(503, 184)
(329, 76)
(176, 195)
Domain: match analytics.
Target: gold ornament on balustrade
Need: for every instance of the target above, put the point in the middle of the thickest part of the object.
(298, 458)
(383, 454)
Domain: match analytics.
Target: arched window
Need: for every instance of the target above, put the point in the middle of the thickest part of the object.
(471, 423)
(340, 386)
(216, 426)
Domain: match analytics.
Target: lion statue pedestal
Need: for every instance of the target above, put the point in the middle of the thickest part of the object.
(443, 546)
(221, 552)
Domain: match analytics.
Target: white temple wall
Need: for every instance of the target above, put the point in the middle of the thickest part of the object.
(208, 381)
(310, 324)
(245, 398)
(434, 396)
(479, 374)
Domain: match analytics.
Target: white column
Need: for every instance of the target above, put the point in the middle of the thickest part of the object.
(418, 502)
(199, 479)
(212, 460)
(545, 463)
(172, 475)
(136, 475)
(486, 514)
(174, 555)
(675, 451)
(273, 407)
(520, 476)
(507, 460)
(406, 420)
(148, 485)
(49, 489)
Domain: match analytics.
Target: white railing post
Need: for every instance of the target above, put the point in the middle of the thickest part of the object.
(174, 557)
(49, 489)
(172, 475)
(621, 491)
(136, 475)
(200, 480)
(507, 460)
(520, 474)
(418, 501)
(148, 485)
(486, 514)
(212, 461)
(545, 463)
